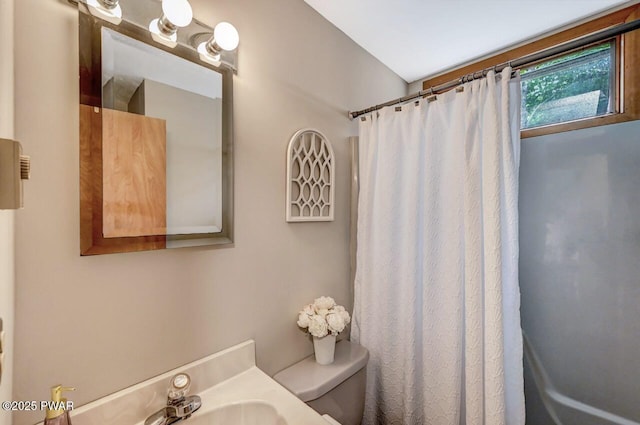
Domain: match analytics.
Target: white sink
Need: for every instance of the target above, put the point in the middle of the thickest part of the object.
(233, 391)
(251, 412)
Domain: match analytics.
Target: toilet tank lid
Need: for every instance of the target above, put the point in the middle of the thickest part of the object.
(309, 380)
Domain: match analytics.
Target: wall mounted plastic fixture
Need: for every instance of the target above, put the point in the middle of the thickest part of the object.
(14, 167)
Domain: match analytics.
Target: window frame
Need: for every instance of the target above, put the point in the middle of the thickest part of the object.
(627, 70)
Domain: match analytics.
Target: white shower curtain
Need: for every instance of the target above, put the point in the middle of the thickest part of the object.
(437, 301)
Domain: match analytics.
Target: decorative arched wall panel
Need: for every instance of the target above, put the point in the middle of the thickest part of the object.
(310, 177)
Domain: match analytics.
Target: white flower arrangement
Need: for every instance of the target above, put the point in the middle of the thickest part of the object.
(323, 317)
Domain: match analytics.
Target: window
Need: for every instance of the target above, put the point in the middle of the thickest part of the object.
(597, 85)
(571, 87)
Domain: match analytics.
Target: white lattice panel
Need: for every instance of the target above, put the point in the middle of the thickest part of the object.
(310, 177)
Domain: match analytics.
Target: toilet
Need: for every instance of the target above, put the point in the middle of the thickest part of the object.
(336, 391)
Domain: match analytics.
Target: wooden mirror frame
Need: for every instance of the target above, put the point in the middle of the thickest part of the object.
(92, 241)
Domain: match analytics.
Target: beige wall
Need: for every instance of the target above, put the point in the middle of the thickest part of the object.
(6, 216)
(6, 306)
(103, 323)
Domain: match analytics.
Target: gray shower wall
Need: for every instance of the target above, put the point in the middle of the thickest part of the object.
(580, 275)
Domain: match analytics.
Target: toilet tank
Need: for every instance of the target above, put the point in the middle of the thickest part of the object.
(336, 389)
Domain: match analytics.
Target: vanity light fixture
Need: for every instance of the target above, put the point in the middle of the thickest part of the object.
(225, 37)
(175, 14)
(109, 10)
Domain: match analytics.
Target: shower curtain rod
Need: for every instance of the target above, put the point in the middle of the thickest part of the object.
(517, 63)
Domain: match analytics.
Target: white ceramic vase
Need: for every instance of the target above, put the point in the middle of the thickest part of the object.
(324, 349)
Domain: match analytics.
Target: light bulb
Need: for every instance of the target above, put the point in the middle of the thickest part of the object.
(179, 12)
(109, 10)
(226, 36)
(175, 13)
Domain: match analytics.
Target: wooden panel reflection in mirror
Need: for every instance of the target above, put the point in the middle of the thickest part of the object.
(134, 161)
(92, 240)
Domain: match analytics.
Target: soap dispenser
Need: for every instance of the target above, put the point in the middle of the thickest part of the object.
(57, 413)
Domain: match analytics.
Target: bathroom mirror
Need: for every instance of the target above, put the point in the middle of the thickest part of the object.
(155, 142)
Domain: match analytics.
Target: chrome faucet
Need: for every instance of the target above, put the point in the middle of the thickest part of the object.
(179, 405)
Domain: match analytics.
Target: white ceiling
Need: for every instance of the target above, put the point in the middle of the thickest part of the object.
(420, 38)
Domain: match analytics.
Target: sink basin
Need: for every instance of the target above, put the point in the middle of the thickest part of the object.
(254, 412)
(233, 390)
